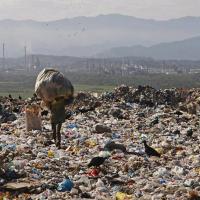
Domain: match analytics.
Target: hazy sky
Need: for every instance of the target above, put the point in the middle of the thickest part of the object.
(44, 10)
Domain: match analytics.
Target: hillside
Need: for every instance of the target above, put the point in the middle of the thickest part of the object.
(86, 36)
(184, 50)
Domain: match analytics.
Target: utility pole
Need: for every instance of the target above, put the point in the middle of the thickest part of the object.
(3, 56)
(25, 62)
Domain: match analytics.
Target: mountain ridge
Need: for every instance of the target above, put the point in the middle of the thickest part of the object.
(86, 36)
(187, 49)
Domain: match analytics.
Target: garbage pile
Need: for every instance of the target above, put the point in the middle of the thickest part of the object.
(103, 152)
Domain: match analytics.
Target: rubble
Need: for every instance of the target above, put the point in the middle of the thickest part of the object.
(112, 125)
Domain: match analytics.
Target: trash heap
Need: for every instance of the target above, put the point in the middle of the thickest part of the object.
(113, 126)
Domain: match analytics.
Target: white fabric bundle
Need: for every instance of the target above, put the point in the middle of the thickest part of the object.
(51, 84)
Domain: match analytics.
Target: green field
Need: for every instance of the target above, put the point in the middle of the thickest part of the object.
(25, 93)
(23, 84)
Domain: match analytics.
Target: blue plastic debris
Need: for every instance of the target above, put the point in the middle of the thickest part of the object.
(71, 126)
(115, 136)
(65, 186)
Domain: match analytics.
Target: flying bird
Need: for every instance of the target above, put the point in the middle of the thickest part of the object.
(150, 151)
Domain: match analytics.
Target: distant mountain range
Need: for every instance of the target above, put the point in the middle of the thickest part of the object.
(88, 36)
(188, 49)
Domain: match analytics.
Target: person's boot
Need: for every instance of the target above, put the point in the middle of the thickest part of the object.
(58, 135)
(58, 140)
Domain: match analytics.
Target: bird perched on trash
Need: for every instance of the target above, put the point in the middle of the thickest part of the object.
(189, 133)
(44, 113)
(85, 110)
(154, 122)
(150, 151)
(178, 112)
(16, 110)
(10, 97)
(20, 98)
(176, 132)
(97, 161)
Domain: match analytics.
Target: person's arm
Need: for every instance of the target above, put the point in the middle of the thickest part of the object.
(69, 101)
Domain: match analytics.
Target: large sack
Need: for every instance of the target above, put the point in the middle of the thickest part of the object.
(51, 84)
(33, 118)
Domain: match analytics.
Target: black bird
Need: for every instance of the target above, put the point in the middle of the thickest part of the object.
(154, 122)
(20, 98)
(16, 110)
(178, 112)
(176, 132)
(85, 110)
(44, 113)
(10, 97)
(97, 161)
(150, 151)
(189, 133)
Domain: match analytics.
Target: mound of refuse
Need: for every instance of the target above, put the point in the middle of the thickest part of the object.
(102, 154)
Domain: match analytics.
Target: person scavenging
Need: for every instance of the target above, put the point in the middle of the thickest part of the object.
(56, 91)
(57, 109)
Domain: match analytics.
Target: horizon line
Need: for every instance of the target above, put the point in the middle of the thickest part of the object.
(99, 15)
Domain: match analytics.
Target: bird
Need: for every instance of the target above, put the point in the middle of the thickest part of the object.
(10, 96)
(189, 133)
(16, 110)
(176, 132)
(44, 113)
(97, 161)
(178, 112)
(154, 122)
(20, 98)
(85, 110)
(150, 151)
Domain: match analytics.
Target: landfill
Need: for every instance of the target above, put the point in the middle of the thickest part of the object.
(111, 125)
